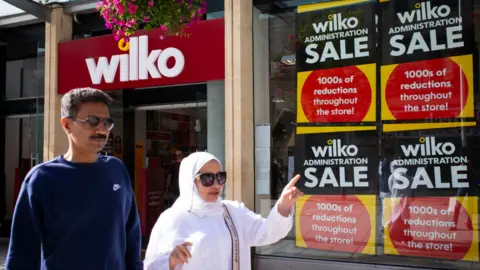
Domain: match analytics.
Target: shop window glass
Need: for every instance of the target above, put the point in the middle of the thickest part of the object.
(25, 78)
(155, 129)
(215, 9)
(374, 103)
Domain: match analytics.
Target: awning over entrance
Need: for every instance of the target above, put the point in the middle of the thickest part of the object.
(15, 7)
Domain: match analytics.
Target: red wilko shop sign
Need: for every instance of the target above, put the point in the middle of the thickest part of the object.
(149, 60)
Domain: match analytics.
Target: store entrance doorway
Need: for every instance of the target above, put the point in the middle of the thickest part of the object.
(23, 150)
(170, 133)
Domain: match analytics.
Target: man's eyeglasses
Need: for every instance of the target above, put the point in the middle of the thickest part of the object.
(93, 121)
(207, 179)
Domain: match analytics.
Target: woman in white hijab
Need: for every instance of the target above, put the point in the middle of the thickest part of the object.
(202, 231)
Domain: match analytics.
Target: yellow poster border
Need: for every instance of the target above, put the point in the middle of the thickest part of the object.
(370, 203)
(425, 126)
(299, 241)
(313, 7)
(332, 129)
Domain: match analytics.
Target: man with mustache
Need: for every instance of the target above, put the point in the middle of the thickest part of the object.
(78, 210)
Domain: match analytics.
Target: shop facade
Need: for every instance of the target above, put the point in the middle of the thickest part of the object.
(334, 90)
(168, 102)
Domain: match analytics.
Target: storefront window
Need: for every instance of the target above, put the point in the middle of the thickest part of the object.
(374, 104)
(25, 78)
(155, 128)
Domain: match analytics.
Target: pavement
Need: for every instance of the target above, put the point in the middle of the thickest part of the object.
(3, 251)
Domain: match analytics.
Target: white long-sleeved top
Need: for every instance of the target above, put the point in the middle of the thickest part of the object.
(211, 239)
(201, 223)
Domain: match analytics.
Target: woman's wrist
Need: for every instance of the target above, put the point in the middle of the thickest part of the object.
(283, 210)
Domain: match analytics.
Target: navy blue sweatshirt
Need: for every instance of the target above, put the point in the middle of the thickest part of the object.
(76, 216)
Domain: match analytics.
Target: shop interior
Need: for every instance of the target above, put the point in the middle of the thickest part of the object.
(154, 129)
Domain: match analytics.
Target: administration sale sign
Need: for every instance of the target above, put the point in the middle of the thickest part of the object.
(150, 59)
(379, 142)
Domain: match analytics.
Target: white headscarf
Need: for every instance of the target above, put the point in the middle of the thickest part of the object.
(189, 199)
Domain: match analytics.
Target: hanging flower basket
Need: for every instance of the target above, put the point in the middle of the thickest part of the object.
(125, 17)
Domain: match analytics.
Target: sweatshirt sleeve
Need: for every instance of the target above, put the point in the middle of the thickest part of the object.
(24, 251)
(261, 231)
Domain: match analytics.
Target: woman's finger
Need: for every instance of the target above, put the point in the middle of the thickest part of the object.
(185, 251)
(293, 181)
(175, 258)
(180, 255)
(298, 194)
(288, 192)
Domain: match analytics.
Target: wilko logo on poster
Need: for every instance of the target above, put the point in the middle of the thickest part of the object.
(424, 11)
(335, 149)
(429, 165)
(432, 28)
(138, 64)
(335, 23)
(428, 147)
(334, 163)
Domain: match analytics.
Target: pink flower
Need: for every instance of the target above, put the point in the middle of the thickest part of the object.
(146, 19)
(120, 32)
(127, 39)
(120, 9)
(163, 28)
(132, 8)
(108, 25)
(150, 4)
(120, 23)
(117, 38)
(133, 21)
(202, 11)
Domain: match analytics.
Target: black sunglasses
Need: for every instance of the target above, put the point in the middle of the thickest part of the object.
(207, 179)
(94, 121)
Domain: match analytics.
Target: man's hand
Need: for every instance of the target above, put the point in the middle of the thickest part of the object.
(288, 197)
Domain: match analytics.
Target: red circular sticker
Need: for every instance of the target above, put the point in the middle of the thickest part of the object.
(336, 95)
(339, 223)
(431, 227)
(427, 89)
